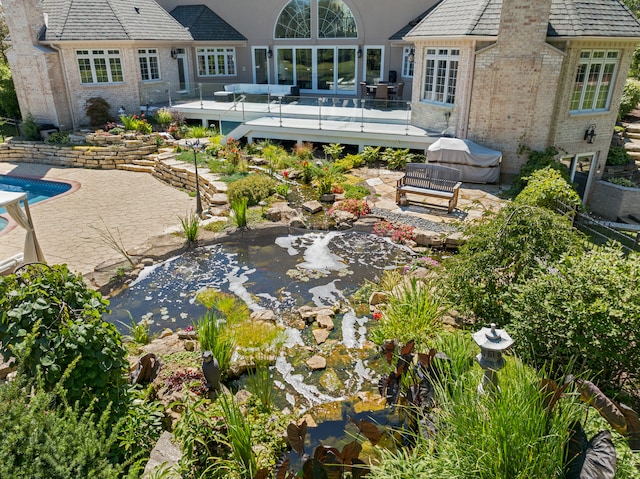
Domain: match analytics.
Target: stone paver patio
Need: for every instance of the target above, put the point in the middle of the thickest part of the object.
(133, 206)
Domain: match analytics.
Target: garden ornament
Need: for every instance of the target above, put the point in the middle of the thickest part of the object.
(211, 371)
(492, 342)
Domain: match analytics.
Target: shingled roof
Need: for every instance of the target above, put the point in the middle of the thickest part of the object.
(110, 20)
(204, 24)
(407, 28)
(568, 18)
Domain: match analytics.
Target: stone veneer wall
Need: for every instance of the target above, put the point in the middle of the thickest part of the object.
(112, 152)
(614, 201)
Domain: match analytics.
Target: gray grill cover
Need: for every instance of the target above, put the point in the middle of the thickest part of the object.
(477, 164)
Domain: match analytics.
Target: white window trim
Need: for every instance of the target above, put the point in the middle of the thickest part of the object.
(147, 54)
(593, 61)
(407, 65)
(437, 57)
(92, 54)
(206, 52)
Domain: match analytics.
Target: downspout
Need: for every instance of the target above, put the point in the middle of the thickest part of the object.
(467, 113)
(66, 84)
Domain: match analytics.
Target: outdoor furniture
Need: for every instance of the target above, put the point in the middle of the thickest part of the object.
(429, 180)
(397, 95)
(364, 92)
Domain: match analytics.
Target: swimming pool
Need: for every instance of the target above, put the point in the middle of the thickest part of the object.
(36, 190)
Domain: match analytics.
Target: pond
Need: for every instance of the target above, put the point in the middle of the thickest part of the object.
(281, 271)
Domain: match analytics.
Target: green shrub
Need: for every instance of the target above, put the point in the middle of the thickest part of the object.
(511, 434)
(253, 187)
(49, 319)
(239, 208)
(622, 182)
(618, 156)
(370, 154)
(397, 158)
(504, 249)
(537, 160)
(30, 129)
(136, 123)
(630, 97)
(58, 138)
(545, 188)
(413, 312)
(213, 337)
(191, 228)
(333, 150)
(38, 439)
(356, 192)
(585, 309)
(162, 117)
(98, 111)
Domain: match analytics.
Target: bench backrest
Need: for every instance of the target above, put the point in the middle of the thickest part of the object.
(433, 177)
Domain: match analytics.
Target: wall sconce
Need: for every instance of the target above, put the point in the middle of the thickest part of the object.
(412, 55)
(359, 52)
(270, 52)
(174, 53)
(590, 134)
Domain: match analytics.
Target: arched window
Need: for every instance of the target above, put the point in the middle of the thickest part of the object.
(294, 20)
(335, 20)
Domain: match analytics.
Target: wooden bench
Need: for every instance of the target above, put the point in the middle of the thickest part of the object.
(430, 180)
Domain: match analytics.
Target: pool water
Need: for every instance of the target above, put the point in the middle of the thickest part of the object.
(36, 190)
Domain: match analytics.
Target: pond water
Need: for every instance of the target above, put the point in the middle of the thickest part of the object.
(276, 270)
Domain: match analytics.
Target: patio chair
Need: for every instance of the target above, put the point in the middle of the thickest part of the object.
(364, 92)
(399, 91)
(382, 93)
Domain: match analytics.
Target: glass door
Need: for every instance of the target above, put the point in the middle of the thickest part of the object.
(284, 58)
(373, 65)
(325, 63)
(304, 68)
(260, 65)
(582, 173)
(183, 71)
(346, 68)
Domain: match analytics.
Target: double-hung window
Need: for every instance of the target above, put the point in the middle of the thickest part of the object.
(216, 61)
(594, 80)
(100, 66)
(149, 64)
(440, 75)
(407, 62)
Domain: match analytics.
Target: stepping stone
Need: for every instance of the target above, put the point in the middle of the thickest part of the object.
(320, 335)
(325, 321)
(312, 206)
(263, 315)
(316, 363)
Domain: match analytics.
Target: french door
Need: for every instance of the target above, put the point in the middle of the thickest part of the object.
(323, 70)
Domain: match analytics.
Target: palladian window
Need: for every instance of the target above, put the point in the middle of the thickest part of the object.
(335, 20)
(295, 20)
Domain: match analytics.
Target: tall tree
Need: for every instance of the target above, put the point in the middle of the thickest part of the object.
(8, 100)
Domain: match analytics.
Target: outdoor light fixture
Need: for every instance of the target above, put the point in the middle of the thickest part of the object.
(359, 52)
(270, 52)
(492, 342)
(174, 53)
(590, 134)
(412, 55)
(196, 146)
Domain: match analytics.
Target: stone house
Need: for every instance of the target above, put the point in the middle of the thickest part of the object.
(503, 73)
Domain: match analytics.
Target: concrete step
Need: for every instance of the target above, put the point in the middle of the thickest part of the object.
(137, 168)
